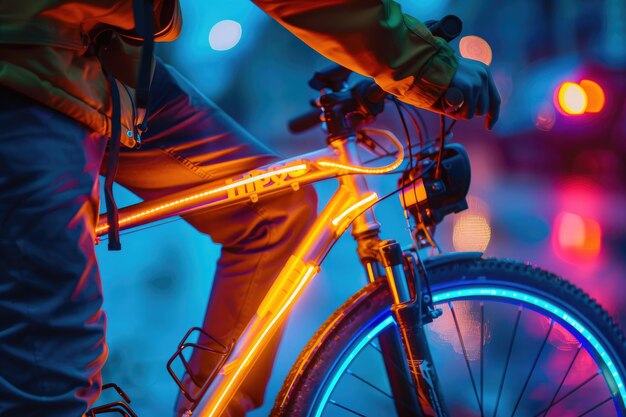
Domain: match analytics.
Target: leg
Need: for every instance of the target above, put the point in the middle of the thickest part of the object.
(51, 323)
(191, 142)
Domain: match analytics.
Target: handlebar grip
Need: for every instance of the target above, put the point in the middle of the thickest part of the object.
(374, 94)
(305, 121)
(453, 100)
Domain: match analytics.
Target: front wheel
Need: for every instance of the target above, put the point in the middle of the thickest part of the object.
(514, 340)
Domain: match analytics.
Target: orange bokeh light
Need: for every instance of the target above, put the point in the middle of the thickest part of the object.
(571, 98)
(472, 230)
(595, 96)
(476, 48)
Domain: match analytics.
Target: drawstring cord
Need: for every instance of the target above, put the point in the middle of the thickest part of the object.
(144, 26)
(112, 162)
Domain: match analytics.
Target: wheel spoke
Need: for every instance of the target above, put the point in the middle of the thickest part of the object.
(467, 363)
(573, 390)
(508, 359)
(569, 368)
(360, 378)
(343, 407)
(349, 372)
(532, 369)
(595, 407)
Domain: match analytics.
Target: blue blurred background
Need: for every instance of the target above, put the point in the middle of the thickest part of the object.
(548, 187)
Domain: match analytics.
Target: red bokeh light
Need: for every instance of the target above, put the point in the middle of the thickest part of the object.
(576, 238)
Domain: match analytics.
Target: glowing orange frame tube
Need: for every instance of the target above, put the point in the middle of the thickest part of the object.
(349, 203)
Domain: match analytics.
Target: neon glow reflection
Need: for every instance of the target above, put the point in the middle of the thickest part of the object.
(482, 291)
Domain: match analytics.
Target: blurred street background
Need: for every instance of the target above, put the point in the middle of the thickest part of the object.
(548, 183)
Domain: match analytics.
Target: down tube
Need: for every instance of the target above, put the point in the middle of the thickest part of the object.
(288, 286)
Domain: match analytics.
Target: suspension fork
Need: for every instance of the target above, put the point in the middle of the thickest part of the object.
(398, 374)
(403, 392)
(411, 313)
(366, 233)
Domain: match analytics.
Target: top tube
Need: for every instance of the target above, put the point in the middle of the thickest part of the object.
(289, 173)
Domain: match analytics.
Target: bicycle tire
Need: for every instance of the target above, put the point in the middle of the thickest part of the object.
(338, 338)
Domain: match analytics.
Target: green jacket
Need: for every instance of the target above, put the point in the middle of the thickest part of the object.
(44, 50)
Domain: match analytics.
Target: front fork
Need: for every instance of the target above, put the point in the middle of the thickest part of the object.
(412, 312)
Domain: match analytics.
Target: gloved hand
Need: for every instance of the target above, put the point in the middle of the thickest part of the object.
(480, 96)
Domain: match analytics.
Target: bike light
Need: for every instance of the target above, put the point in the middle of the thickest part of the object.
(346, 362)
(361, 203)
(435, 198)
(266, 330)
(295, 170)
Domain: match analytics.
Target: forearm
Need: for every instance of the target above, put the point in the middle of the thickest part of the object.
(373, 38)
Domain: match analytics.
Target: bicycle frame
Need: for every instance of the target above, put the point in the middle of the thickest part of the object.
(350, 205)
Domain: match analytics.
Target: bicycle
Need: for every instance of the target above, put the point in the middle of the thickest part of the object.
(444, 331)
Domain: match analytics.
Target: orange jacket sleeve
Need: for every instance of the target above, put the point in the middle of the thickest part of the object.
(373, 38)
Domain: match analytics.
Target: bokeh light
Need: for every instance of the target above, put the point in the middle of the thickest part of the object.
(571, 98)
(225, 35)
(576, 238)
(469, 320)
(545, 117)
(595, 96)
(472, 231)
(476, 48)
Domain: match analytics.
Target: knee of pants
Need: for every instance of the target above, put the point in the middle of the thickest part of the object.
(295, 211)
(303, 207)
(278, 220)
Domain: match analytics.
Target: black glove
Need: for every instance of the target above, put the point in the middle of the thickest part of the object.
(480, 95)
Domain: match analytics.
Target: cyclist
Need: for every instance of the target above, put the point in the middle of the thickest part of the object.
(68, 74)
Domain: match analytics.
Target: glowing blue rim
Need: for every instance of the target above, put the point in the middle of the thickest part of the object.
(364, 341)
(441, 296)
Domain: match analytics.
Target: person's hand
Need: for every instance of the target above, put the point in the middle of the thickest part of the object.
(480, 96)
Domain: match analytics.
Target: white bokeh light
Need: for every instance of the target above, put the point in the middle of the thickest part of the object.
(225, 35)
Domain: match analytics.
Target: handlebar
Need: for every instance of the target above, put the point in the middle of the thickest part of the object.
(305, 121)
